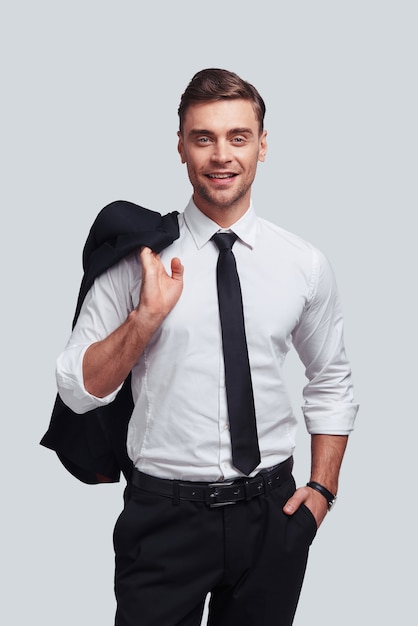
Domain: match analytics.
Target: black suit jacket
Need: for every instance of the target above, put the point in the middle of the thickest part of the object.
(92, 446)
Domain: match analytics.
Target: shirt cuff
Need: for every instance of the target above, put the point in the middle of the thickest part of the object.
(70, 382)
(330, 419)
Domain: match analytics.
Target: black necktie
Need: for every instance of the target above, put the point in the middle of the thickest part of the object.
(239, 389)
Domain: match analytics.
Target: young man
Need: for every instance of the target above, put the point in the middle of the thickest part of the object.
(211, 504)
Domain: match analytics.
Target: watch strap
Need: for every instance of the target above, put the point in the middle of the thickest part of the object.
(330, 497)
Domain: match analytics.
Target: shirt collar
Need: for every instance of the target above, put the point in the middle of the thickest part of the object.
(202, 228)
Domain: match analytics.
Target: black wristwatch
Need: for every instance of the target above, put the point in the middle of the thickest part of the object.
(329, 497)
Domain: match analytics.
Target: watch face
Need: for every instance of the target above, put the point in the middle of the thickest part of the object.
(331, 503)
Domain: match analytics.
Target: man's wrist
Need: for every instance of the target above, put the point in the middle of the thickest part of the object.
(145, 322)
(328, 495)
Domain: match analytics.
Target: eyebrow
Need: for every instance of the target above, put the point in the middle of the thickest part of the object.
(233, 131)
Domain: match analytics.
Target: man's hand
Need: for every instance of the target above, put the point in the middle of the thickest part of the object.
(315, 502)
(159, 291)
(327, 453)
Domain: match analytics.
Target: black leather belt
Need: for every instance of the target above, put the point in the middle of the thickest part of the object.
(219, 493)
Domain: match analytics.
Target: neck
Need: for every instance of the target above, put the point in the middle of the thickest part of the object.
(223, 216)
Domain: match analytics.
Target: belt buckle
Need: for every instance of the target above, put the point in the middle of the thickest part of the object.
(215, 493)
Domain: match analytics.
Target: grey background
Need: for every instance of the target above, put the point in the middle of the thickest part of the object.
(88, 115)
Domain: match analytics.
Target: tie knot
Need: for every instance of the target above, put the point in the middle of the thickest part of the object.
(225, 241)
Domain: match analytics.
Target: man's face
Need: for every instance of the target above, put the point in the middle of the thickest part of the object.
(221, 146)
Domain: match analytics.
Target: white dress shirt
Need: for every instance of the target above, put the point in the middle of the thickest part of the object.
(179, 426)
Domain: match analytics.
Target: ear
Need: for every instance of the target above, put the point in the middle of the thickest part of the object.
(180, 147)
(262, 151)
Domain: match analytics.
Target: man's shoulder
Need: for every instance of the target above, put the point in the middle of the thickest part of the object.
(284, 236)
(124, 218)
(126, 213)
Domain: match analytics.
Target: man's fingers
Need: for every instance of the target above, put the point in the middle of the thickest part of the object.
(146, 256)
(150, 259)
(314, 501)
(177, 269)
(294, 502)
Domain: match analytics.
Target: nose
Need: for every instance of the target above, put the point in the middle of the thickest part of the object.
(221, 152)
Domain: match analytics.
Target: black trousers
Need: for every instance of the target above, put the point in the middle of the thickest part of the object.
(249, 556)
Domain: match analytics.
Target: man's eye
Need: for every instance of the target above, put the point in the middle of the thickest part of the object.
(203, 140)
(238, 140)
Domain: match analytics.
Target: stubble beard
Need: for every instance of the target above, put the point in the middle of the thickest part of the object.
(221, 199)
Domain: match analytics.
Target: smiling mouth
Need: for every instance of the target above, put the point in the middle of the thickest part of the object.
(221, 176)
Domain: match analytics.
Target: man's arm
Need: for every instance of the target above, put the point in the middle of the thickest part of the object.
(107, 363)
(327, 452)
(329, 409)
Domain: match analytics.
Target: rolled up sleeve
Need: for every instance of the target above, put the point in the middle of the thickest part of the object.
(329, 406)
(105, 307)
(70, 383)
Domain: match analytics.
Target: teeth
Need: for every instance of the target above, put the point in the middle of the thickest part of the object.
(220, 175)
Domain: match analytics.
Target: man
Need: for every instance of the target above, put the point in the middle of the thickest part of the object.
(211, 506)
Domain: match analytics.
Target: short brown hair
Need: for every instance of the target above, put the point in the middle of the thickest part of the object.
(216, 84)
